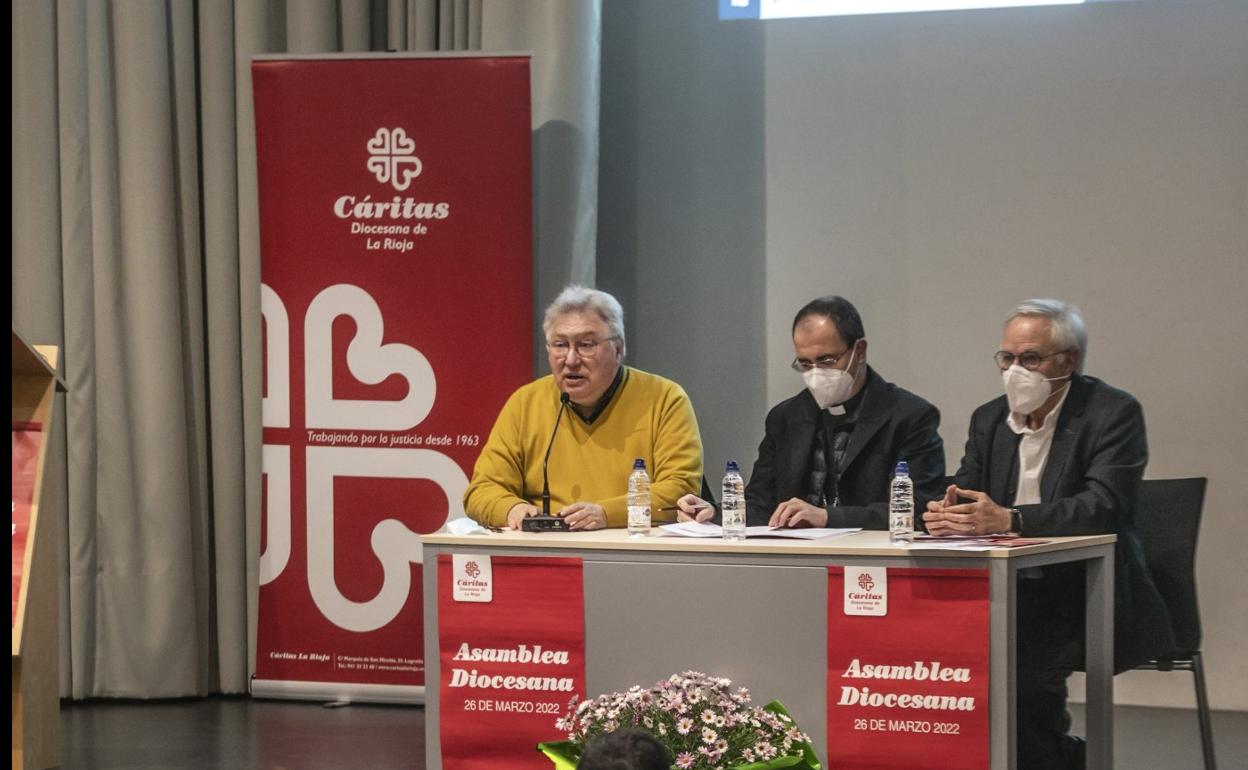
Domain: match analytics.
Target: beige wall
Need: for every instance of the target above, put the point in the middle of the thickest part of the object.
(680, 228)
(939, 168)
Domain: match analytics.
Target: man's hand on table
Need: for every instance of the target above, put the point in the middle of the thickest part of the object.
(693, 508)
(796, 512)
(582, 515)
(980, 516)
(519, 512)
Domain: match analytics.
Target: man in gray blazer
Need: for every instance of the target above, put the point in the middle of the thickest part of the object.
(1060, 453)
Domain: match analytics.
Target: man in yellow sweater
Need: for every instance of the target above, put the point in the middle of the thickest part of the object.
(616, 414)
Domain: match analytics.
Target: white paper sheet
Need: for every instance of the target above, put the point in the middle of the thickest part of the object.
(695, 529)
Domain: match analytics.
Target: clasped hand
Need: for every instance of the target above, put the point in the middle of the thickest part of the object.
(979, 516)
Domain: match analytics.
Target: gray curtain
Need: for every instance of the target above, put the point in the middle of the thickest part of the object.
(135, 248)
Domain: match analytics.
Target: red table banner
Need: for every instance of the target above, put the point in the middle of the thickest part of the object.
(512, 635)
(395, 231)
(27, 437)
(907, 668)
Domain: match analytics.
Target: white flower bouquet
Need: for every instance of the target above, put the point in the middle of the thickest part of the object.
(703, 721)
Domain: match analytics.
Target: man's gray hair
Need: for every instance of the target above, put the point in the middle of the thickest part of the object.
(1067, 329)
(580, 299)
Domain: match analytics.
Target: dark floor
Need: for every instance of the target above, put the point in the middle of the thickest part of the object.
(239, 733)
(245, 734)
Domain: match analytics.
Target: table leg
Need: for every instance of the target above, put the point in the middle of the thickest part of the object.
(1100, 659)
(1001, 685)
(433, 674)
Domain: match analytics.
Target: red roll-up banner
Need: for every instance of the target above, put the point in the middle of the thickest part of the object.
(512, 636)
(395, 234)
(907, 668)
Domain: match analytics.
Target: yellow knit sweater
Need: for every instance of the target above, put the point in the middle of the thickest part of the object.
(648, 417)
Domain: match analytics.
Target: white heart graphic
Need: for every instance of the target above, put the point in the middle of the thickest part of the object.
(275, 406)
(276, 463)
(380, 167)
(368, 360)
(405, 170)
(380, 143)
(400, 144)
(395, 546)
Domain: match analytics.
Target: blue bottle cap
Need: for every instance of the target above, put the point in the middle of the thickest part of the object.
(639, 464)
(732, 466)
(903, 469)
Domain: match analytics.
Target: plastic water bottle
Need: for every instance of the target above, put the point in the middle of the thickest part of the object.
(638, 500)
(901, 505)
(733, 503)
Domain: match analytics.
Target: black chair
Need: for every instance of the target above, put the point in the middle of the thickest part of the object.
(1168, 520)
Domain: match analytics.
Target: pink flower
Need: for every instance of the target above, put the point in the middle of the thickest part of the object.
(706, 711)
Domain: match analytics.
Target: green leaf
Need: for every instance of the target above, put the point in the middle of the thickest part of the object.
(809, 759)
(562, 753)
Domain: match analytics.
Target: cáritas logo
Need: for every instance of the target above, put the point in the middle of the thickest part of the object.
(866, 591)
(392, 158)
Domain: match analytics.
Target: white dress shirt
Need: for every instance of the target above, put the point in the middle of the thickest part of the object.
(1033, 450)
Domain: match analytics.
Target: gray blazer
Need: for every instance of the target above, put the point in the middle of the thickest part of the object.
(1089, 487)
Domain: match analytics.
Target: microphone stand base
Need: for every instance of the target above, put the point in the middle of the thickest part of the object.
(544, 523)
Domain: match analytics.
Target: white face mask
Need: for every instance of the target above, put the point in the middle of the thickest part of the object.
(1027, 390)
(830, 387)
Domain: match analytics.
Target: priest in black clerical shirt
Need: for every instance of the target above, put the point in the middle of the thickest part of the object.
(829, 452)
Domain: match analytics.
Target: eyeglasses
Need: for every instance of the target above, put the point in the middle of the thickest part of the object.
(1030, 360)
(584, 348)
(822, 362)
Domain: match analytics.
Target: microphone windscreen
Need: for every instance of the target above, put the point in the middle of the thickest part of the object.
(564, 398)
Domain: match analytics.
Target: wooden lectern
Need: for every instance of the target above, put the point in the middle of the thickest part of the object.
(36, 677)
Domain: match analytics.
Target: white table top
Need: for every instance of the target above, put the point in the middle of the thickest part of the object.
(866, 543)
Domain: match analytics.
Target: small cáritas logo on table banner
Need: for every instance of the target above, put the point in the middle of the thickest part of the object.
(866, 591)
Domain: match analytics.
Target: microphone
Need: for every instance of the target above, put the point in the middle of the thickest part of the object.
(563, 404)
